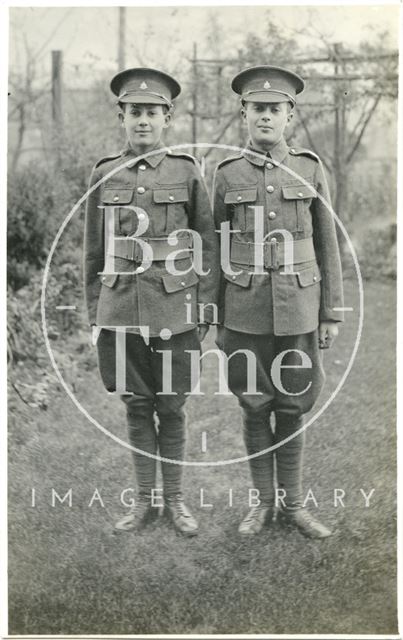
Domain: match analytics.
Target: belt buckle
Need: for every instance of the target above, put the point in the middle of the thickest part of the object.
(132, 249)
(268, 255)
(272, 248)
(137, 251)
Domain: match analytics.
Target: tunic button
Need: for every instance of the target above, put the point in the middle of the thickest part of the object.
(239, 198)
(183, 283)
(270, 188)
(171, 198)
(272, 215)
(292, 150)
(140, 190)
(142, 167)
(140, 270)
(234, 277)
(115, 198)
(300, 194)
(269, 165)
(103, 278)
(315, 278)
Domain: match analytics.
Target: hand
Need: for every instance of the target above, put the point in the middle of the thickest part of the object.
(328, 332)
(95, 334)
(220, 337)
(203, 329)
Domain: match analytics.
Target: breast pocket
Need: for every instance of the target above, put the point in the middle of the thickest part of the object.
(125, 220)
(297, 200)
(172, 204)
(242, 201)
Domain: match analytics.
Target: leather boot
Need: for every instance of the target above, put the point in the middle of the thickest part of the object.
(304, 522)
(180, 516)
(257, 519)
(138, 517)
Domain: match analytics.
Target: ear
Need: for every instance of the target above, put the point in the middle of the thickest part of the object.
(167, 117)
(290, 117)
(243, 113)
(121, 117)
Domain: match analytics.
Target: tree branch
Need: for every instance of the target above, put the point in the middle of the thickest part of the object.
(363, 128)
(311, 142)
(220, 135)
(18, 393)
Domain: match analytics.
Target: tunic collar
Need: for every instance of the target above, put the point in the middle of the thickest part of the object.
(277, 153)
(158, 154)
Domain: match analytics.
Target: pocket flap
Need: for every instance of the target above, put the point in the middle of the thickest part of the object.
(309, 276)
(241, 279)
(298, 192)
(174, 283)
(171, 195)
(109, 279)
(117, 196)
(237, 196)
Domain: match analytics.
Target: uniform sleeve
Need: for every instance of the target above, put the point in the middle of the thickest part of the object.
(201, 220)
(327, 253)
(93, 248)
(220, 215)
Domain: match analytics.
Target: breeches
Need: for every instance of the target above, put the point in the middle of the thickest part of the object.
(289, 372)
(145, 367)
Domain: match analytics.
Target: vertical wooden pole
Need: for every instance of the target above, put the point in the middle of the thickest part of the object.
(57, 112)
(194, 96)
(339, 146)
(122, 39)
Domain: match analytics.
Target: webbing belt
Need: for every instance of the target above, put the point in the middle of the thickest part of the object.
(275, 254)
(130, 249)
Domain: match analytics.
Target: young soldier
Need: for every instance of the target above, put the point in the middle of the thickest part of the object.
(282, 317)
(165, 193)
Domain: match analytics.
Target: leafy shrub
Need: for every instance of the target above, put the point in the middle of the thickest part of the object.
(30, 223)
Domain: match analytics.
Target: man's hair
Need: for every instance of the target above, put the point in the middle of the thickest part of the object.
(165, 108)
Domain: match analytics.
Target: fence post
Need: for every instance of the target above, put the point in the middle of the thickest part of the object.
(194, 96)
(122, 39)
(57, 112)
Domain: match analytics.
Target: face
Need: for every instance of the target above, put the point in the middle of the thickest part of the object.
(266, 121)
(144, 124)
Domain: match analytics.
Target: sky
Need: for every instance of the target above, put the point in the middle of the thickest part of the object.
(164, 36)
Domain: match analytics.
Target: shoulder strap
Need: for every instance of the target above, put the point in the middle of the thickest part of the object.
(186, 156)
(228, 161)
(300, 151)
(106, 159)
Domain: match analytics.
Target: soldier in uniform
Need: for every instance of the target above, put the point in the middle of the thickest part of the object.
(167, 297)
(282, 317)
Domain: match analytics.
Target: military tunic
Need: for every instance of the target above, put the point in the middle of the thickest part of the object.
(274, 302)
(171, 191)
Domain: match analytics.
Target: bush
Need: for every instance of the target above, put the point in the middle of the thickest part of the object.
(30, 222)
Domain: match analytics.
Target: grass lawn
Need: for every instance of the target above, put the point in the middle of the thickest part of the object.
(68, 574)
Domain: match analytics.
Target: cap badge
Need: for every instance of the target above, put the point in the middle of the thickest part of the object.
(267, 85)
(143, 86)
